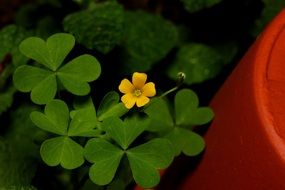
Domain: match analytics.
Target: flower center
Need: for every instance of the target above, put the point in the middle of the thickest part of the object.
(137, 92)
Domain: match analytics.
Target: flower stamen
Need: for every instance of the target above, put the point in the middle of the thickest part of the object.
(137, 92)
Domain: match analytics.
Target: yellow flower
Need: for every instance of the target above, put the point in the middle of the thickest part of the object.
(138, 91)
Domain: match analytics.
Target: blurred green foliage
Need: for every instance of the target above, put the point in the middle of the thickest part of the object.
(100, 27)
(271, 9)
(147, 39)
(194, 6)
(10, 38)
(18, 152)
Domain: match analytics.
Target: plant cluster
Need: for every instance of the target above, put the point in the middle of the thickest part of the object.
(70, 118)
(106, 135)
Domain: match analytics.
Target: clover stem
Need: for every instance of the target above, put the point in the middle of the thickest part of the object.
(180, 79)
(168, 92)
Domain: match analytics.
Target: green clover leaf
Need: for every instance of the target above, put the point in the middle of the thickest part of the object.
(144, 159)
(111, 106)
(190, 114)
(63, 151)
(124, 133)
(178, 129)
(186, 141)
(56, 119)
(75, 74)
(43, 82)
(106, 157)
(84, 120)
(85, 108)
(59, 150)
(79, 126)
(50, 53)
(30, 77)
(159, 120)
(85, 114)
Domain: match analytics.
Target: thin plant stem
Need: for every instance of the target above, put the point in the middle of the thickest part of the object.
(180, 79)
(169, 91)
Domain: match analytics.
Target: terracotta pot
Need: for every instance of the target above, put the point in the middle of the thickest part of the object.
(246, 141)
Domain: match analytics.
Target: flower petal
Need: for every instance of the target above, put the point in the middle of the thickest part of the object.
(149, 89)
(142, 100)
(139, 80)
(126, 86)
(129, 100)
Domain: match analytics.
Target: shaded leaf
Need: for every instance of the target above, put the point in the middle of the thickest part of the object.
(6, 99)
(46, 26)
(123, 177)
(110, 106)
(116, 185)
(197, 5)
(90, 185)
(227, 50)
(6, 71)
(10, 37)
(85, 108)
(80, 127)
(270, 10)
(198, 61)
(84, 119)
(24, 16)
(18, 152)
(159, 114)
(147, 41)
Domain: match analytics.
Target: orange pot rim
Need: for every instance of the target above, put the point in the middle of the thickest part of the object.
(267, 71)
